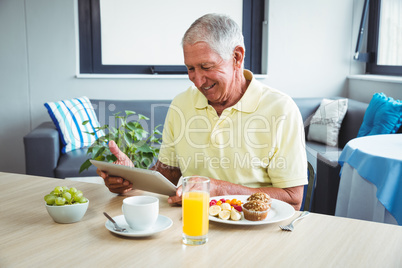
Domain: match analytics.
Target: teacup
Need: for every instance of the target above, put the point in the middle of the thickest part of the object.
(141, 212)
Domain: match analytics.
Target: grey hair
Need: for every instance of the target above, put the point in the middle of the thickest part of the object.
(219, 31)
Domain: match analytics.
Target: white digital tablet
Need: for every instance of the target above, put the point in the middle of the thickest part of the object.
(142, 179)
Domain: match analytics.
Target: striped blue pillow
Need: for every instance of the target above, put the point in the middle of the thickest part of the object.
(68, 116)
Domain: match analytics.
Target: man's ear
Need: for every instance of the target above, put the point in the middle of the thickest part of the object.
(238, 56)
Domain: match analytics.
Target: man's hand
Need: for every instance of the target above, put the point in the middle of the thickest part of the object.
(176, 200)
(116, 184)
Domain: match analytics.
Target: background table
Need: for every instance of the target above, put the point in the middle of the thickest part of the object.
(30, 238)
(371, 179)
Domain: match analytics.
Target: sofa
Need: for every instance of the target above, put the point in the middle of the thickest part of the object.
(42, 145)
(43, 155)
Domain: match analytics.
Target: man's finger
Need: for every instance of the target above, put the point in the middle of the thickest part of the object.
(116, 151)
(115, 180)
(102, 174)
(119, 190)
(174, 200)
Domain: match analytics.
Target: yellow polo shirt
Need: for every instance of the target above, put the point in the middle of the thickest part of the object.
(258, 142)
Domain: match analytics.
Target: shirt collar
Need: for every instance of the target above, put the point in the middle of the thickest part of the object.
(248, 103)
(251, 98)
(201, 102)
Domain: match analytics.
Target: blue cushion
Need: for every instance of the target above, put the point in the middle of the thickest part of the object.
(68, 116)
(383, 116)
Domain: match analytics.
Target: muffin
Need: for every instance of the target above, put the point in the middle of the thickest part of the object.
(255, 210)
(261, 197)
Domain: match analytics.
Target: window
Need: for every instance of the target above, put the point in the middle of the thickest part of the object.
(384, 44)
(94, 61)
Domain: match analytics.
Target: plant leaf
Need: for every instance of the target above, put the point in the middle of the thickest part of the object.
(132, 139)
(98, 150)
(157, 132)
(85, 165)
(142, 117)
(145, 148)
(111, 158)
(140, 134)
(133, 126)
(100, 158)
(128, 112)
(128, 139)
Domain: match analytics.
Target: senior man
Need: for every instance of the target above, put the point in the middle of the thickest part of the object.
(245, 136)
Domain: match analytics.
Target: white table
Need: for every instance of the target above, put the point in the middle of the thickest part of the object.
(371, 179)
(30, 238)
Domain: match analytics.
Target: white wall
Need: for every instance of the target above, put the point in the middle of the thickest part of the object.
(14, 85)
(362, 87)
(310, 50)
(309, 46)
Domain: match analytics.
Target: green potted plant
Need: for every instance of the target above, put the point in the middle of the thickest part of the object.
(130, 136)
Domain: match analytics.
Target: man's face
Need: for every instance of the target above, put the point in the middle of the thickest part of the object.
(213, 76)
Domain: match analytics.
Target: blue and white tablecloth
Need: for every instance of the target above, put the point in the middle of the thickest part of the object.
(378, 159)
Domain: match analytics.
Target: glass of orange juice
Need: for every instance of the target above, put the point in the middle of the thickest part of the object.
(195, 204)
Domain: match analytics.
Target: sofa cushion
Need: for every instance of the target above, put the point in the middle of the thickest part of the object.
(383, 116)
(326, 121)
(68, 116)
(70, 163)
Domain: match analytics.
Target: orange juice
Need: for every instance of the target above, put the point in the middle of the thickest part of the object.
(195, 213)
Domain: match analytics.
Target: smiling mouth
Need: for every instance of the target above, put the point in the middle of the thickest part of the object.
(207, 88)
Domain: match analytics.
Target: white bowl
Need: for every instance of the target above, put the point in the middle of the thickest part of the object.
(67, 213)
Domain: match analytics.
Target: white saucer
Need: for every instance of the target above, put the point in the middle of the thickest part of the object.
(162, 223)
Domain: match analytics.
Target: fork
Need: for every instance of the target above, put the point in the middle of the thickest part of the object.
(117, 228)
(290, 227)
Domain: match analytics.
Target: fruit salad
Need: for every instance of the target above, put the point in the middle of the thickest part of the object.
(226, 209)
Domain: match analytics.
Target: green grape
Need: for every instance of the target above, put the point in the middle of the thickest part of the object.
(50, 199)
(77, 196)
(72, 190)
(62, 195)
(60, 201)
(58, 190)
(68, 197)
(83, 200)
